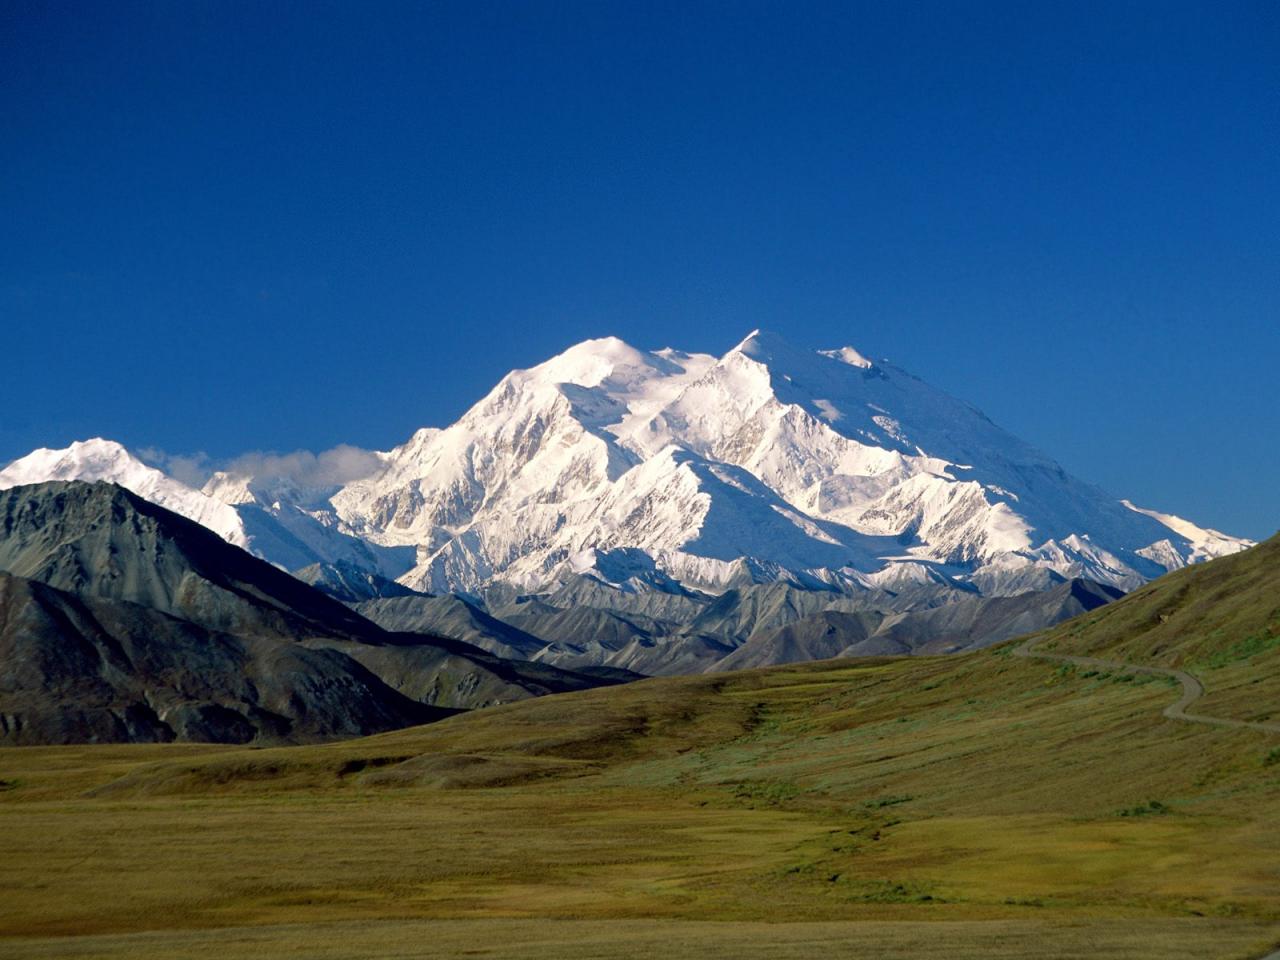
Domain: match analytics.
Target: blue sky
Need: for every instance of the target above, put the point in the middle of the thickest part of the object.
(229, 227)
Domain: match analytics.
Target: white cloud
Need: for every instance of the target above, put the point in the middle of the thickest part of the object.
(193, 469)
(329, 468)
(342, 464)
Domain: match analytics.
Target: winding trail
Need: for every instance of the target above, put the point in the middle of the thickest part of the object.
(1192, 689)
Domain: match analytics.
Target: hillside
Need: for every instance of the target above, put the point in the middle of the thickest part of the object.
(120, 620)
(102, 540)
(1002, 806)
(1220, 622)
(86, 669)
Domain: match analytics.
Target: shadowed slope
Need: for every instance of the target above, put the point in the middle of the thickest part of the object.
(962, 625)
(79, 669)
(450, 616)
(124, 621)
(101, 540)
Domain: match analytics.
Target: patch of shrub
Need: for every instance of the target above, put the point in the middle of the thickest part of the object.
(880, 802)
(1150, 808)
(1245, 649)
(1023, 902)
(886, 891)
(768, 792)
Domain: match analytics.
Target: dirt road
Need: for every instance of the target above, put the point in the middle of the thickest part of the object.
(1192, 688)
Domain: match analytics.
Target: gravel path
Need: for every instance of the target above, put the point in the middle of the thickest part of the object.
(1192, 690)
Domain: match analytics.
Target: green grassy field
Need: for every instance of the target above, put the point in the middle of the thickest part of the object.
(974, 806)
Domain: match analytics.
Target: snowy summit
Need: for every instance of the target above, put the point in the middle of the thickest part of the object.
(664, 469)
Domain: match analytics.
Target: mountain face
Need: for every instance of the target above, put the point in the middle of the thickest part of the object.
(271, 517)
(950, 628)
(120, 620)
(105, 461)
(450, 616)
(76, 669)
(751, 626)
(665, 470)
(351, 584)
(103, 541)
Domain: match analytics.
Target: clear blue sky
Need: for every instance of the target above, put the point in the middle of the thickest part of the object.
(236, 226)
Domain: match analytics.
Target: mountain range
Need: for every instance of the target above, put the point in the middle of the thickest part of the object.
(613, 496)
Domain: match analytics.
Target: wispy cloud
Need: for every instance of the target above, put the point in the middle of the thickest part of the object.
(341, 464)
(193, 469)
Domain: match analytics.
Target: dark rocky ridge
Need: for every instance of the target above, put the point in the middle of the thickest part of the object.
(950, 628)
(87, 669)
(349, 583)
(121, 621)
(98, 539)
(451, 616)
(590, 626)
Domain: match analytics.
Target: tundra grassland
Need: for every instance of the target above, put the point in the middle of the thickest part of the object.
(971, 806)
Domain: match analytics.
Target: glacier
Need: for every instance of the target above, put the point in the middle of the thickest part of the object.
(798, 465)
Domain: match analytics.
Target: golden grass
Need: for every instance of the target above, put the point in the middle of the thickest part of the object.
(687, 940)
(975, 806)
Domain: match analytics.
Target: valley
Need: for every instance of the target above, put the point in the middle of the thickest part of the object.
(973, 805)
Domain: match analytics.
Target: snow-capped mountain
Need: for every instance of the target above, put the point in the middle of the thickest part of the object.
(774, 462)
(98, 459)
(295, 526)
(667, 470)
(267, 516)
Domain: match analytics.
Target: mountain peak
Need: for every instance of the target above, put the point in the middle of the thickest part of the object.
(93, 452)
(92, 459)
(98, 459)
(788, 457)
(805, 462)
(230, 488)
(773, 349)
(98, 446)
(759, 344)
(591, 362)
